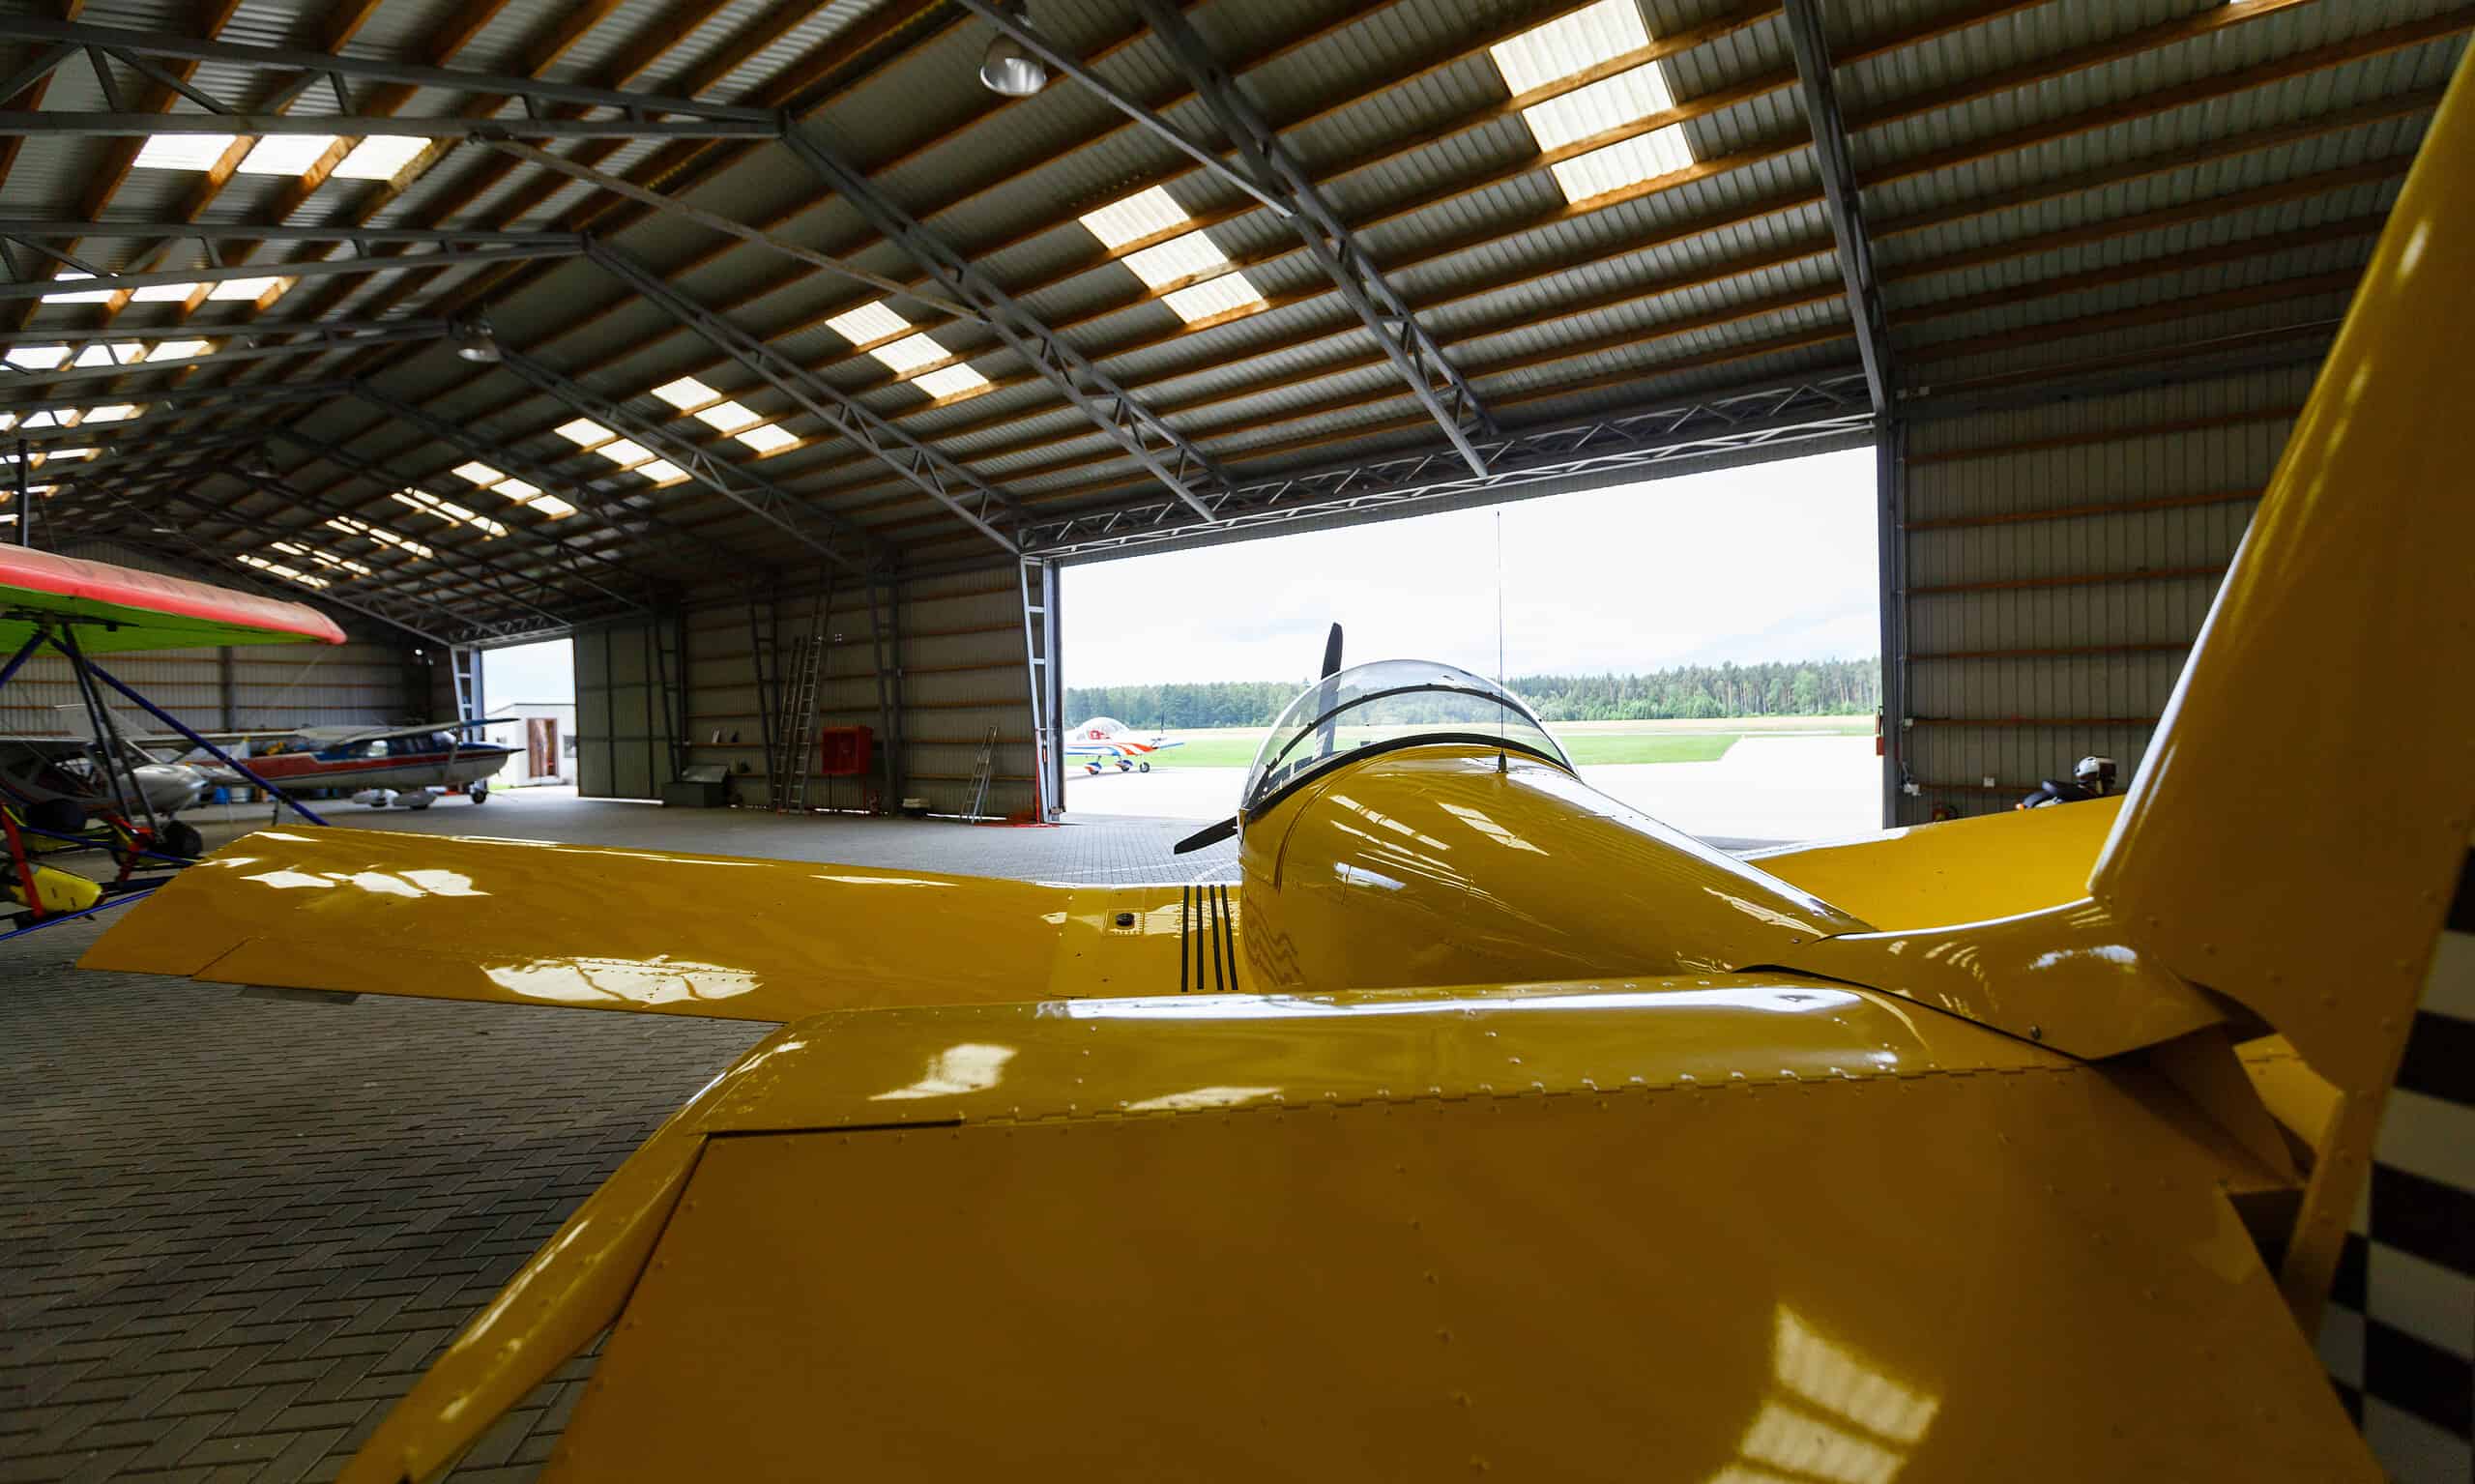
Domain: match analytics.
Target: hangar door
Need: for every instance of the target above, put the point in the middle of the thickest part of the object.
(627, 727)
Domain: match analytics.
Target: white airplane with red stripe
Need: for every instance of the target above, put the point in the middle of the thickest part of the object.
(1105, 739)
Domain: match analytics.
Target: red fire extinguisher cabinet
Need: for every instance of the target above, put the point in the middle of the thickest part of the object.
(843, 753)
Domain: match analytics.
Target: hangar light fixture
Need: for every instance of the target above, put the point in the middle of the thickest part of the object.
(1008, 67)
(1585, 41)
(474, 343)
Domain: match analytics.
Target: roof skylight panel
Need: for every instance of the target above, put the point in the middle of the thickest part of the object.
(449, 510)
(111, 353)
(554, 507)
(179, 350)
(660, 471)
(261, 290)
(166, 293)
(687, 393)
(726, 417)
(37, 358)
(910, 352)
(77, 296)
(1611, 102)
(584, 431)
(285, 154)
(1646, 156)
(521, 491)
(1213, 296)
(116, 412)
(624, 451)
(949, 381)
(1568, 47)
(768, 439)
(380, 535)
(870, 322)
(280, 569)
(381, 156)
(1139, 216)
(479, 473)
(1568, 44)
(1179, 257)
(184, 152)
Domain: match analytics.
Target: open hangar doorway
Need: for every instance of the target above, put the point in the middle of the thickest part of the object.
(1704, 645)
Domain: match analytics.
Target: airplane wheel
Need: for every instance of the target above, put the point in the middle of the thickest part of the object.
(478, 792)
(181, 838)
(1142, 768)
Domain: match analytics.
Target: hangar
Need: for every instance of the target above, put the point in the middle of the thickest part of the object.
(790, 358)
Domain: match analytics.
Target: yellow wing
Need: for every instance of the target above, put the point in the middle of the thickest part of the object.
(1963, 870)
(598, 927)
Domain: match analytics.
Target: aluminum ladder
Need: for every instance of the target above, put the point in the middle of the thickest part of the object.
(794, 734)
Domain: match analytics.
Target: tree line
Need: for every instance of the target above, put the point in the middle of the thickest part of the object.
(1804, 687)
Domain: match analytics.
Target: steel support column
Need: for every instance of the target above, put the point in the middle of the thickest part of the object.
(982, 506)
(829, 535)
(1890, 505)
(1434, 380)
(1172, 458)
(1845, 200)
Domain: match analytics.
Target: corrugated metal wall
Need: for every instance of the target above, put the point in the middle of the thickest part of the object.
(375, 678)
(953, 649)
(2059, 558)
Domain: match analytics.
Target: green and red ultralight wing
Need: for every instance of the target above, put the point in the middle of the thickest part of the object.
(123, 608)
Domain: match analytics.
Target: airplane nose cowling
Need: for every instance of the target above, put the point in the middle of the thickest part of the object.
(1433, 866)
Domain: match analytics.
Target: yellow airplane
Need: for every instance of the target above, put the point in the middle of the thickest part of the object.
(1490, 1128)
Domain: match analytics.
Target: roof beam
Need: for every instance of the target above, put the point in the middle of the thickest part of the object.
(980, 505)
(329, 338)
(1846, 200)
(1271, 174)
(178, 484)
(100, 280)
(623, 114)
(569, 560)
(1173, 458)
(1789, 413)
(829, 536)
(597, 503)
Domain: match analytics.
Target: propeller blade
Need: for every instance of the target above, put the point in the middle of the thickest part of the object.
(1331, 654)
(1209, 835)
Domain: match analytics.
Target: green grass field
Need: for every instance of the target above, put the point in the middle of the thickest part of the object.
(1588, 742)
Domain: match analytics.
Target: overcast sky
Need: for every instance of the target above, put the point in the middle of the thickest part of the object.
(1771, 562)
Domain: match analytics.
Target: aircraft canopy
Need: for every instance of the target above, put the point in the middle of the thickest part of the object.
(123, 608)
(1390, 702)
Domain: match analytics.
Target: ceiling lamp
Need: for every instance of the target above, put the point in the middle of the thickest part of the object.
(473, 342)
(1008, 66)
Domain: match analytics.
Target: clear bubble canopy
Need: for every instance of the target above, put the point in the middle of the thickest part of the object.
(1390, 702)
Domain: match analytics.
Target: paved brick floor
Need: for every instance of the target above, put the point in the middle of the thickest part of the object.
(233, 1231)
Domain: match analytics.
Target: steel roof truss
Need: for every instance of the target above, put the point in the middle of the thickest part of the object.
(1846, 201)
(1171, 456)
(980, 504)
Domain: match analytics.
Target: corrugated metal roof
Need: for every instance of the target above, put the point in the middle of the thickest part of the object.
(1556, 308)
